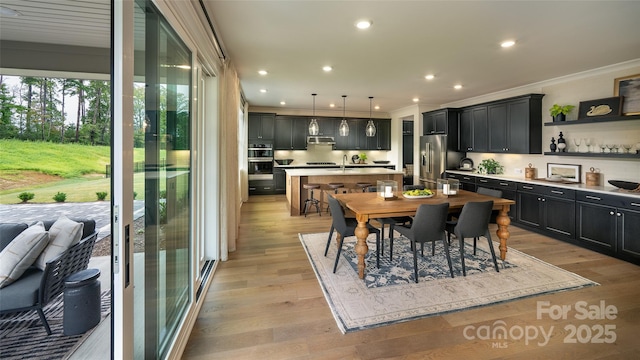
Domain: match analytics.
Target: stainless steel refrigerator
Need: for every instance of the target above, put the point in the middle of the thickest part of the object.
(436, 156)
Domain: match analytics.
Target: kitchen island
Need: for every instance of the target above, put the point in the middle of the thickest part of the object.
(297, 178)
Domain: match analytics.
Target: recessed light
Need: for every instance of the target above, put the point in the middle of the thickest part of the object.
(430, 77)
(5, 11)
(457, 86)
(283, 103)
(263, 90)
(416, 99)
(327, 68)
(262, 72)
(508, 43)
(377, 107)
(363, 24)
(332, 105)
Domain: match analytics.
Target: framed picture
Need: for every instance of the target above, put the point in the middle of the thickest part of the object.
(601, 107)
(567, 172)
(629, 88)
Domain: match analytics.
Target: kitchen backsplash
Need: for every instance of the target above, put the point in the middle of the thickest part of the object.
(324, 153)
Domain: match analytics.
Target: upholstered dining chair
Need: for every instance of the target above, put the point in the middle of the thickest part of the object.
(428, 226)
(346, 227)
(392, 222)
(451, 223)
(473, 223)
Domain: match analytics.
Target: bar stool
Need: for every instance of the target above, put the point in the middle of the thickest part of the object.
(363, 185)
(335, 187)
(311, 201)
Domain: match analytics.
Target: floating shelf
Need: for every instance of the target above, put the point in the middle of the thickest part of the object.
(630, 156)
(594, 120)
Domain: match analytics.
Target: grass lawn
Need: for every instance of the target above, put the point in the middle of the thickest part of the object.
(48, 168)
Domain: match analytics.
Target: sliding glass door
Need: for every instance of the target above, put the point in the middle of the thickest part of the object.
(162, 232)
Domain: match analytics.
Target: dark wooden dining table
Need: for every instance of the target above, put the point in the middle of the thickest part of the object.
(366, 206)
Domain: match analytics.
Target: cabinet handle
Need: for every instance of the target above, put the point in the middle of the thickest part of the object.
(610, 212)
(504, 184)
(635, 204)
(557, 192)
(543, 199)
(618, 214)
(468, 178)
(592, 197)
(527, 187)
(484, 181)
(539, 199)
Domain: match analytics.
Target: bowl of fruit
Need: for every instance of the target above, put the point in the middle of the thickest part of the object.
(417, 194)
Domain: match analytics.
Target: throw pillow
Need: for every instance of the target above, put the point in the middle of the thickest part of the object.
(21, 253)
(62, 235)
(8, 232)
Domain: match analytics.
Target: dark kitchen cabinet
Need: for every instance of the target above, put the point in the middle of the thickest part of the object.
(473, 129)
(609, 224)
(407, 127)
(328, 126)
(382, 139)
(508, 189)
(356, 140)
(515, 125)
(467, 182)
(442, 121)
(261, 187)
(549, 209)
(280, 180)
(291, 133)
(261, 126)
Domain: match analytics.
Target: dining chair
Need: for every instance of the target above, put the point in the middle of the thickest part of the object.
(346, 227)
(392, 222)
(428, 226)
(451, 223)
(473, 223)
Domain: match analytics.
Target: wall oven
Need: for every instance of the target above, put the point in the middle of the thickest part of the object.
(260, 158)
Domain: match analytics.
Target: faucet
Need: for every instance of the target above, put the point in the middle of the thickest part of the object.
(344, 161)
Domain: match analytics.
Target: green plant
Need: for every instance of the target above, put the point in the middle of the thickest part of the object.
(556, 109)
(26, 196)
(363, 156)
(490, 166)
(135, 194)
(60, 197)
(101, 195)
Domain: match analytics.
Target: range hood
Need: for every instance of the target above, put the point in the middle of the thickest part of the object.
(321, 140)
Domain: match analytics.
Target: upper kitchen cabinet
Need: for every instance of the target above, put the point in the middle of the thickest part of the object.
(328, 126)
(382, 139)
(473, 129)
(442, 121)
(515, 125)
(357, 140)
(291, 133)
(261, 126)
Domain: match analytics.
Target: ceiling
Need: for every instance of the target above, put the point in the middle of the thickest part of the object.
(456, 41)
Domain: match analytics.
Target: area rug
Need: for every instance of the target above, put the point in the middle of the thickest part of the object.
(390, 295)
(22, 335)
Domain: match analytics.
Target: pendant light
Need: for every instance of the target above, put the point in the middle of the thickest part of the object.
(370, 130)
(314, 128)
(343, 129)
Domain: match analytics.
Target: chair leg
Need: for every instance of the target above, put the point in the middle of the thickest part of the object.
(44, 321)
(391, 227)
(475, 243)
(378, 249)
(433, 248)
(493, 253)
(415, 260)
(464, 269)
(326, 250)
(382, 238)
(335, 266)
(446, 251)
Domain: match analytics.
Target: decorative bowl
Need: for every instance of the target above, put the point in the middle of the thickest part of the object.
(627, 185)
(381, 161)
(284, 161)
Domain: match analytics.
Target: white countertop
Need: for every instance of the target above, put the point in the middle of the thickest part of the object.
(350, 165)
(340, 172)
(597, 189)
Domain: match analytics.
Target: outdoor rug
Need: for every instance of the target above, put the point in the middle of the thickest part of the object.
(390, 295)
(22, 335)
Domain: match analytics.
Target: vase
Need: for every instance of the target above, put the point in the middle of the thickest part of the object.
(559, 117)
(553, 146)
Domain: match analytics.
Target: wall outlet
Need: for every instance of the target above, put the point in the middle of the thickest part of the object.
(518, 171)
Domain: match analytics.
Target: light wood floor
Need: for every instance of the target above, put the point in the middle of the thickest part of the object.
(265, 303)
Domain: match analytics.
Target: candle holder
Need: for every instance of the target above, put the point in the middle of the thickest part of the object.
(448, 187)
(387, 189)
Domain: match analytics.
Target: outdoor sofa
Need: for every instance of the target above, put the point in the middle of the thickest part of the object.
(36, 286)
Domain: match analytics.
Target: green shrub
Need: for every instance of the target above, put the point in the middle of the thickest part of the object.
(135, 194)
(101, 195)
(60, 197)
(26, 196)
(163, 194)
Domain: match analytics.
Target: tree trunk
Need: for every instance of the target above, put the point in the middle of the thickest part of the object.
(80, 105)
(64, 83)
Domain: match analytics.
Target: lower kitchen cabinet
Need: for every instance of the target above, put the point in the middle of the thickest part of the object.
(467, 182)
(280, 181)
(609, 224)
(545, 208)
(508, 189)
(261, 187)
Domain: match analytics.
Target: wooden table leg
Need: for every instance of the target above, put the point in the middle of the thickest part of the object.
(503, 230)
(361, 246)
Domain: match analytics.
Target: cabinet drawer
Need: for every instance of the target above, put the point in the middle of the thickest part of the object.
(627, 202)
(548, 190)
(496, 183)
(462, 178)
